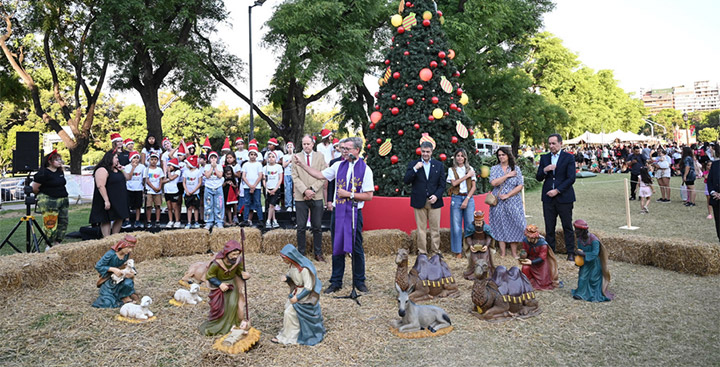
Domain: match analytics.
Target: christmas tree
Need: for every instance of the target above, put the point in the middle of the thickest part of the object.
(419, 98)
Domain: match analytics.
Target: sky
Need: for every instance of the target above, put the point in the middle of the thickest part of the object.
(648, 44)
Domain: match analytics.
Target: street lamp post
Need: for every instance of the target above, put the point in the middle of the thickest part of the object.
(252, 103)
(687, 133)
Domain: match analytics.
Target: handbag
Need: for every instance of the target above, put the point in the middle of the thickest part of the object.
(491, 199)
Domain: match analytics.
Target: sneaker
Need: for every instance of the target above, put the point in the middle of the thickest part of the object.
(219, 225)
(137, 225)
(196, 225)
(177, 225)
(126, 224)
(709, 216)
(208, 225)
(275, 224)
(268, 224)
(147, 225)
(169, 224)
(277, 208)
(156, 225)
(660, 200)
(187, 226)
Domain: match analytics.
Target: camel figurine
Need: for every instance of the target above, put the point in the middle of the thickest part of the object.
(422, 290)
(513, 297)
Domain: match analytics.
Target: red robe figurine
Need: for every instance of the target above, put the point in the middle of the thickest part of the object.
(540, 266)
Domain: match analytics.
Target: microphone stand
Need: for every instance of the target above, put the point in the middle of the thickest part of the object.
(353, 293)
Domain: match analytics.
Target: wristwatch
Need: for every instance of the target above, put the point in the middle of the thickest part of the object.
(352, 196)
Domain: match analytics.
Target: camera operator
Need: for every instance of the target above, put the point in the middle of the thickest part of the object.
(52, 197)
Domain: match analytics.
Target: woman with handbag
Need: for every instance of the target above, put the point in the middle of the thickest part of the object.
(461, 178)
(507, 217)
(662, 172)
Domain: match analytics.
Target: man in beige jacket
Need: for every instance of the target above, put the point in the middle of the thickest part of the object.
(309, 198)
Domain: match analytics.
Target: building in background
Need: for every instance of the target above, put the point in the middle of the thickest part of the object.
(701, 96)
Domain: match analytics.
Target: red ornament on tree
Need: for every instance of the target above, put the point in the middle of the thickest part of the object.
(393, 96)
(417, 126)
(454, 140)
(397, 190)
(400, 132)
(377, 187)
(426, 22)
(378, 140)
(394, 159)
(401, 30)
(433, 64)
(377, 107)
(387, 62)
(443, 157)
(447, 113)
(456, 74)
(406, 53)
(372, 126)
(405, 85)
(459, 109)
(459, 92)
(441, 54)
(395, 110)
(396, 75)
(471, 132)
(369, 146)
(408, 4)
(431, 42)
(377, 94)
(419, 87)
(443, 62)
(431, 118)
(434, 100)
(418, 151)
(410, 102)
(439, 13)
(453, 106)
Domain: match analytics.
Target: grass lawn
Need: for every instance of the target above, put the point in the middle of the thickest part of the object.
(601, 202)
(78, 216)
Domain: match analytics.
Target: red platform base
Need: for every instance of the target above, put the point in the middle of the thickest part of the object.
(384, 212)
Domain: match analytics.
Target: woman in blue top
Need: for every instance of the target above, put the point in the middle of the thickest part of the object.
(594, 277)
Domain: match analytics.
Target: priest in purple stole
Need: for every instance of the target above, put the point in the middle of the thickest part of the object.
(354, 186)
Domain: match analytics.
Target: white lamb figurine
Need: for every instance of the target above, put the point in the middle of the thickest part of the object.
(140, 312)
(129, 269)
(190, 297)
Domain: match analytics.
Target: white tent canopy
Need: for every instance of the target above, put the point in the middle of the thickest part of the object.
(603, 138)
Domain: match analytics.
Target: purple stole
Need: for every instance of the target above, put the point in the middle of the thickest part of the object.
(344, 209)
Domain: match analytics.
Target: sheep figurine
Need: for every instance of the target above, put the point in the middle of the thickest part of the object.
(190, 297)
(140, 312)
(126, 272)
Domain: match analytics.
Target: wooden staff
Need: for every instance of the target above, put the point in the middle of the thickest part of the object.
(242, 241)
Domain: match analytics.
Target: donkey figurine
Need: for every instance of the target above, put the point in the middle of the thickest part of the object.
(417, 317)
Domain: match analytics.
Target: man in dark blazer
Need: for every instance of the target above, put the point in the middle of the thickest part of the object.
(557, 169)
(713, 183)
(427, 177)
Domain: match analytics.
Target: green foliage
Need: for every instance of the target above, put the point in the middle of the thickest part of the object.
(707, 134)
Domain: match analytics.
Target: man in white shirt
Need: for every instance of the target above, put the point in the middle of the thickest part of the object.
(350, 196)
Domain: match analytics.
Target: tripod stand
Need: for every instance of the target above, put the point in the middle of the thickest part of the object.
(32, 244)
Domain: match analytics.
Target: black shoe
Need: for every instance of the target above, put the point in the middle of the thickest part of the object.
(632, 198)
(660, 200)
(332, 289)
(361, 288)
(571, 257)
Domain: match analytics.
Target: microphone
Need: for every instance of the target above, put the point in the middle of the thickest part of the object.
(351, 157)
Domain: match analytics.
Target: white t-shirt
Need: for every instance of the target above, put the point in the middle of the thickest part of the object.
(368, 185)
(153, 175)
(251, 171)
(327, 151)
(461, 172)
(148, 151)
(288, 169)
(135, 183)
(214, 181)
(193, 179)
(171, 186)
(274, 175)
(278, 155)
(165, 157)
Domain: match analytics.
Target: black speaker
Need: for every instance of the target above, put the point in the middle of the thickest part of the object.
(26, 155)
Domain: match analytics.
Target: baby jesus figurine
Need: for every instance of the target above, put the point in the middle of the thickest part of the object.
(237, 333)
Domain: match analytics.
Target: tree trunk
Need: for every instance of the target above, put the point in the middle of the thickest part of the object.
(515, 146)
(76, 154)
(153, 114)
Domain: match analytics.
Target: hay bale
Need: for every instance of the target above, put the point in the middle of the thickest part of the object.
(149, 246)
(275, 240)
(81, 256)
(383, 242)
(183, 242)
(219, 236)
(444, 240)
(628, 249)
(687, 256)
(30, 270)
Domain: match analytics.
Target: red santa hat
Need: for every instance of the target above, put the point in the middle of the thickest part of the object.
(154, 154)
(253, 148)
(192, 161)
(115, 137)
(212, 153)
(336, 141)
(226, 144)
(206, 144)
(325, 133)
(134, 154)
(273, 141)
(181, 149)
(165, 139)
(127, 142)
(190, 145)
(253, 143)
(239, 139)
(174, 162)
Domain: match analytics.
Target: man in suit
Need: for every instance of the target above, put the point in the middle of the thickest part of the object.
(308, 194)
(713, 183)
(557, 169)
(637, 161)
(427, 177)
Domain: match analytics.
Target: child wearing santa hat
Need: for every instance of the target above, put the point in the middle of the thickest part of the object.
(325, 147)
(124, 154)
(151, 145)
(214, 199)
(154, 187)
(172, 193)
(252, 185)
(192, 181)
(134, 183)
